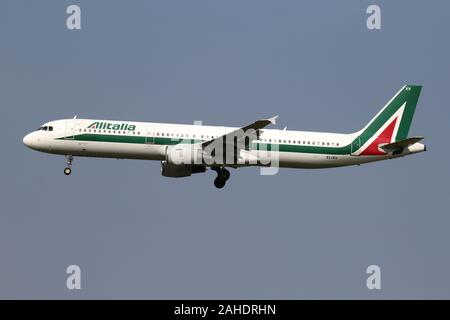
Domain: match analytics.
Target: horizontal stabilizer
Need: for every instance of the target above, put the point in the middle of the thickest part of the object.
(400, 145)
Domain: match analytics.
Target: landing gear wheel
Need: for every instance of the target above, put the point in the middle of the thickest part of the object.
(68, 169)
(224, 174)
(219, 182)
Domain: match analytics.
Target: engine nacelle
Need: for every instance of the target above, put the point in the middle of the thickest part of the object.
(187, 154)
(180, 170)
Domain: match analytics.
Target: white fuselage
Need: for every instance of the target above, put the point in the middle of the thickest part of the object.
(149, 141)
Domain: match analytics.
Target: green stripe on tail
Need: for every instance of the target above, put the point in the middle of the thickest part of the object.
(408, 96)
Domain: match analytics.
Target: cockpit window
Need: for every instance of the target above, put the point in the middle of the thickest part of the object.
(45, 128)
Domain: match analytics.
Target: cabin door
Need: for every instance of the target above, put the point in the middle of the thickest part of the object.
(70, 129)
(150, 135)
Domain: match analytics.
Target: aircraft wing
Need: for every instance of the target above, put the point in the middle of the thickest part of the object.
(398, 146)
(250, 130)
(234, 146)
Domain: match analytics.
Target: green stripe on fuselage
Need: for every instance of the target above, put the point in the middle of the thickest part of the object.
(128, 139)
(173, 141)
(301, 148)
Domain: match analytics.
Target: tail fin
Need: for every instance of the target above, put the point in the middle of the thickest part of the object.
(391, 124)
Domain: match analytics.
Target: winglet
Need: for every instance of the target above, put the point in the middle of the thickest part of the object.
(273, 120)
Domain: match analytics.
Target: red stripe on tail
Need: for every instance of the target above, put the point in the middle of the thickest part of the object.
(384, 137)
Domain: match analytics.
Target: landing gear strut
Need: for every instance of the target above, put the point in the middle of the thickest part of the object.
(222, 176)
(68, 169)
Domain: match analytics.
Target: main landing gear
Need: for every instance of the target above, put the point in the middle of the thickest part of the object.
(222, 176)
(68, 169)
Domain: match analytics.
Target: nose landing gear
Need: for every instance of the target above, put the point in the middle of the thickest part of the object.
(222, 176)
(68, 169)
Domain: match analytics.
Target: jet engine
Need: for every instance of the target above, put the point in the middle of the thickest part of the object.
(188, 154)
(180, 170)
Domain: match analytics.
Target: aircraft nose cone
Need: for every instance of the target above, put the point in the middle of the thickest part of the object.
(28, 140)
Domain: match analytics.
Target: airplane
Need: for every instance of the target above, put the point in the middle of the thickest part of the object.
(185, 149)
